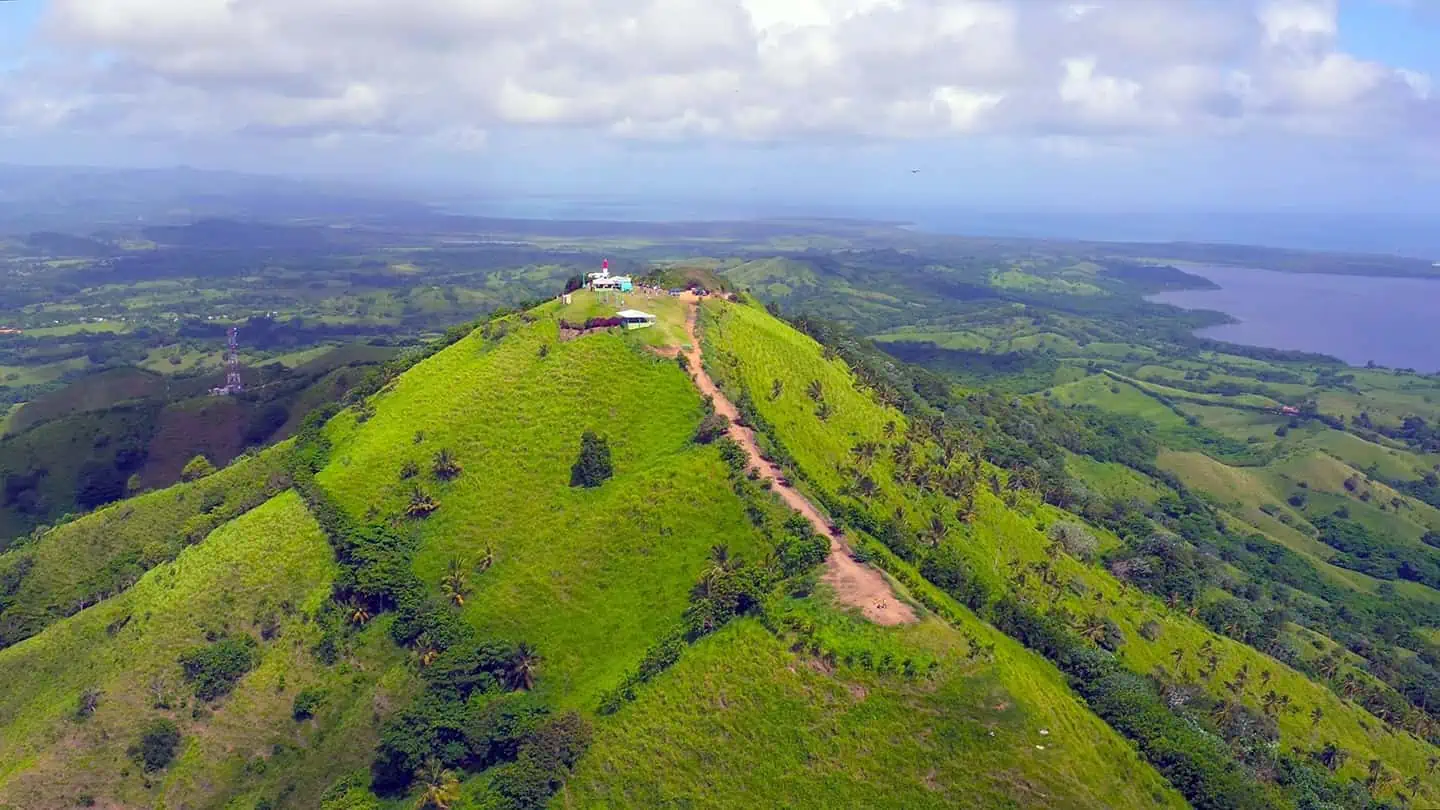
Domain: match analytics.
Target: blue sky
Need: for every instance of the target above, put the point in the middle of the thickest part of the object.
(17, 22)
(1110, 105)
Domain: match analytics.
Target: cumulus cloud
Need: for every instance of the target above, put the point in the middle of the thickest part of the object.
(451, 71)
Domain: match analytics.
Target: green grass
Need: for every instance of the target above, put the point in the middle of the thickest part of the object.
(754, 349)
(1389, 462)
(273, 558)
(999, 535)
(744, 722)
(1112, 480)
(100, 554)
(959, 341)
(93, 392)
(669, 329)
(591, 577)
(1117, 397)
(1018, 280)
(106, 327)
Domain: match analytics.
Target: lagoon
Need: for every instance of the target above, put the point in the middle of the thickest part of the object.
(1394, 322)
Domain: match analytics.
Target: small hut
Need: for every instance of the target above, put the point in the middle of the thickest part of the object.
(635, 319)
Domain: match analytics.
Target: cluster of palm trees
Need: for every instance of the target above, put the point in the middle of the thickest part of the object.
(1373, 696)
(521, 668)
(456, 582)
(1274, 703)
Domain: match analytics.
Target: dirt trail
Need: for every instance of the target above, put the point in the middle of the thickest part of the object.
(857, 585)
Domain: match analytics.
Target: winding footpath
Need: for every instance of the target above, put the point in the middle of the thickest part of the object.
(855, 584)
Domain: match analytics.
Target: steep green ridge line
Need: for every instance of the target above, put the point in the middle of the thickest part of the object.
(856, 585)
(971, 553)
(97, 556)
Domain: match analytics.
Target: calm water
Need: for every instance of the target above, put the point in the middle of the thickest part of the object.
(1392, 321)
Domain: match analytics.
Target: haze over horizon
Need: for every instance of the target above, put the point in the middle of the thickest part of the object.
(833, 106)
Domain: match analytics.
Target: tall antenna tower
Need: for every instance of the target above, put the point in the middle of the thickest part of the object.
(232, 362)
(232, 385)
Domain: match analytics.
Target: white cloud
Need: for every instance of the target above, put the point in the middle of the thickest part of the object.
(452, 70)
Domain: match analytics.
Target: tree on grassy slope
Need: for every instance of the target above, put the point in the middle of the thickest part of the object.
(197, 468)
(593, 467)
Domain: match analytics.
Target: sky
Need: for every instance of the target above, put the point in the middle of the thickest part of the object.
(825, 105)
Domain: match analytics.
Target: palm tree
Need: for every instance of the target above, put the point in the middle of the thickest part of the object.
(1264, 677)
(440, 788)
(1093, 628)
(446, 466)
(721, 560)
(1212, 665)
(1329, 665)
(814, 390)
(1316, 714)
(486, 560)
(426, 650)
(865, 452)
(1271, 703)
(1431, 763)
(1350, 686)
(1179, 655)
(359, 613)
(1413, 785)
(1332, 756)
(936, 530)
(1375, 776)
(1242, 679)
(889, 429)
(421, 503)
(521, 669)
(866, 486)
(903, 455)
(454, 583)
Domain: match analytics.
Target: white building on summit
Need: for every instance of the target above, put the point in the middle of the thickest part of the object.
(635, 319)
(604, 281)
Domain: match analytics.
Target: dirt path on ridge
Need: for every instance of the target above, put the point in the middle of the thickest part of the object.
(857, 585)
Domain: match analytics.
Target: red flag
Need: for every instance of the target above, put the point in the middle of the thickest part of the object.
(605, 265)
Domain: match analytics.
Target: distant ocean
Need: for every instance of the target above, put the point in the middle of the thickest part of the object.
(1404, 235)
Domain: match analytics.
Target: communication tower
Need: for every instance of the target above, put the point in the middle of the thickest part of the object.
(232, 385)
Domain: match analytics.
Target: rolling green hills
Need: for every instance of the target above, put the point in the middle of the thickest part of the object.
(442, 595)
(594, 580)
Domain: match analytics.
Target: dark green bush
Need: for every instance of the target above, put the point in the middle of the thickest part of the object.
(593, 467)
(157, 744)
(712, 427)
(215, 668)
(306, 703)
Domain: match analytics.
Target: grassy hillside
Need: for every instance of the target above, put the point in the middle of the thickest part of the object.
(261, 575)
(594, 578)
(101, 554)
(1006, 535)
(744, 720)
(796, 703)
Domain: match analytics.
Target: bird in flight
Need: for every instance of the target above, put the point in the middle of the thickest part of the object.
(914, 171)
